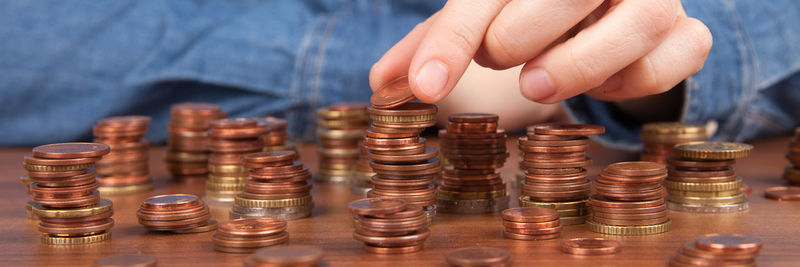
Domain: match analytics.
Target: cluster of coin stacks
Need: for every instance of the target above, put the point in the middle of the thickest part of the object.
(277, 139)
(285, 256)
(701, 177)
(230, 140)
(660, 137)
(405, 168)
(718, 250)
(792, 172)
(531, 223)
(278, 187)
(475, 148)
(125, 168)
(187, 143)
(389, 226)
(64, 193)
(178, 213)
(340, 129)
(555, 161)
(630, 199)
(249, 234)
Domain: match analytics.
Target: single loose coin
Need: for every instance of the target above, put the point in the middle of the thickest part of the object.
(393, 93)
(477, 256)
(530, 214)
(71, 150)
(133, 260)
(791, 193)
(728, 243)
(370, 206)
(292, 255)
(713, 150)
(253, 226)
(590, 246)
(568, 129)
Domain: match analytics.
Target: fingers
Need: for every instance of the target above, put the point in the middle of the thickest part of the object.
(627, 32)
(394, 63)
(523, 29)
(449, 45)
(681, 54)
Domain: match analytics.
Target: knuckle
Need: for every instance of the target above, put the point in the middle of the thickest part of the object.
(500, 47)
(587, 71)
(461, 38)
(660, 16)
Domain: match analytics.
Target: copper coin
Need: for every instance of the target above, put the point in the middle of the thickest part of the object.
(73, 202)
(477, 256)
(530, 214)
(545, 137)
(700, 174)
(728, 243)
(524, 141)
(170, 202)
(630, 180)
(78, 220)
(545, 226)
(375, 132)
(392, 250)
(390, 241)
(553, 149)
(555, 171)
(790, 193)
(291, 255)
(233, 123)
(472, 127)
(133, 260)
(630, 216)
(273, 196)
(392, 94)
(76, 228)
(568, 129)
(473, 117)
(409, 211)
(71, 150)
(430, 153)
(636, 168)
(690, 249)
(195, 108)
(603, 202)
(57, 174)
(75, 180)
(253, 226)
(28, 159)
(517, 236)
(125, 121)
(406, 109)
(429, 164)
(250, 242)
(590, 246)
(370, 206)
(391, 141)
(270, 157)
(678, 162)
(498, 134)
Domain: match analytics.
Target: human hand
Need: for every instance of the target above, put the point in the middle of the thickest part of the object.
(611, 50)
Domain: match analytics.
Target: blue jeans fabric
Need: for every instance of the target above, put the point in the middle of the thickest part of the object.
(66, 64)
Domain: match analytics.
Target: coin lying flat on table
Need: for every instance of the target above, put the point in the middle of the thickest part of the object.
(478, 256)
(790, 193)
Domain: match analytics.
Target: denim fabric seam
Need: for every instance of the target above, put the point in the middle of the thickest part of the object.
(304, 50)
(319, 61)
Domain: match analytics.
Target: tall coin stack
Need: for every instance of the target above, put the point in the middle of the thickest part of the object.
(630, 200)
(701, 177)
(389, 226)
(249, 234)
(405, 167)
(555, 160)
(792, 172)
(64, 193)
(187, 143)
(660, 137)
(340, 129)
(475, 148)
(278, 188)
(277, 139)
(718, 250)
(125, 169)
(231, 139)
(179, 213)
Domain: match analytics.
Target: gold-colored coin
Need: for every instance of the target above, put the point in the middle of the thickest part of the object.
(629, 230)
(338, 152)
(63, 168)
(272, 203)
(673, 132)
(224, 187)
(227, 179)
(125, 189)
(287, 146)
(336, 166)
(226, 168)
(57, 240)
(402, 119)
(104, 206)
(701, 194)
(703, 187)
(707, 201)
(525, 201)
(328, 114)
(340, 134)
(25, 180)
(704, 150)
(454, 195)
(342, 123)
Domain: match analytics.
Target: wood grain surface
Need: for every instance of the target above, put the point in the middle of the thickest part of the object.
(330, 227)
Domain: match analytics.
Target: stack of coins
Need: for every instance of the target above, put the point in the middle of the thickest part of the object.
(702, 179)
(278, 187)
(276, 139)
(290, 255)
(64, 193)
(660, 137)
(792, 172)
(555, 160)
(531, 223)
(475, 148)
(179, 213)
(405, 167)
(478, 256)
(340, 128)
(389, 226)
(362, 176)
(718, 250)
(249, 234)
(231, 139)
(630, 199)
(125, 169)
(187, 143)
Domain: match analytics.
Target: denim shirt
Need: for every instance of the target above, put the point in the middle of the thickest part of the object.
(66, 64)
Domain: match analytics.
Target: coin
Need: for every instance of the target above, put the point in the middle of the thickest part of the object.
(789, 193)
(568, 129)
(713, 150)
(728, 243)
(290, 255)
(393, 94)
(392, 250)
(530, 214)
(132, 260)
(170, 202)
(478, 256)
(210, 225)
(590, 246)
(71, 150)
(253, 226)
(636, 168)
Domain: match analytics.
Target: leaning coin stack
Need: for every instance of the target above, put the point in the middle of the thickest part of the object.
(64, 193)
(630, 199)
(179, 213)
(702, 179)
(405, 167)
(249, 234)
(125, 169)
(531, 223)
(231, 139)
(340, 129)
(555, 160)
(287, 256)
(660, 137)
(278, 187)
(792, 172)
(475, 148)
(389, 226)
(187, 143)
(276, 139)
(718, 250)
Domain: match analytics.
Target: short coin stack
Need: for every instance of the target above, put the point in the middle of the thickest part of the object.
(660, 137)
(290, 255)
(278, 187)
(125, 169)
(475, 148)
(792, 172)
(179, 213)
(630, 199)
(405, 167)
(718, 250)
(340, 129)
(249, 234)
(389, 226)
(702, 179)
(531, 223)
(231, 139)
(277, 139)
(555, 160)
(187, 143)
(64, 193)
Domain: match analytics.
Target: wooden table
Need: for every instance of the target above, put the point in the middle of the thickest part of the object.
(776, 223)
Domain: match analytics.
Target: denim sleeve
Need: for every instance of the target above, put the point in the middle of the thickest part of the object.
(747, 85)
(66, 64)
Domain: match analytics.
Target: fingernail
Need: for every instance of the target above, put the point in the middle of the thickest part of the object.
(537, 85)
(432, 78)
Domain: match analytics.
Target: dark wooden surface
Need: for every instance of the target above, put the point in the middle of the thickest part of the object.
(776, 223)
